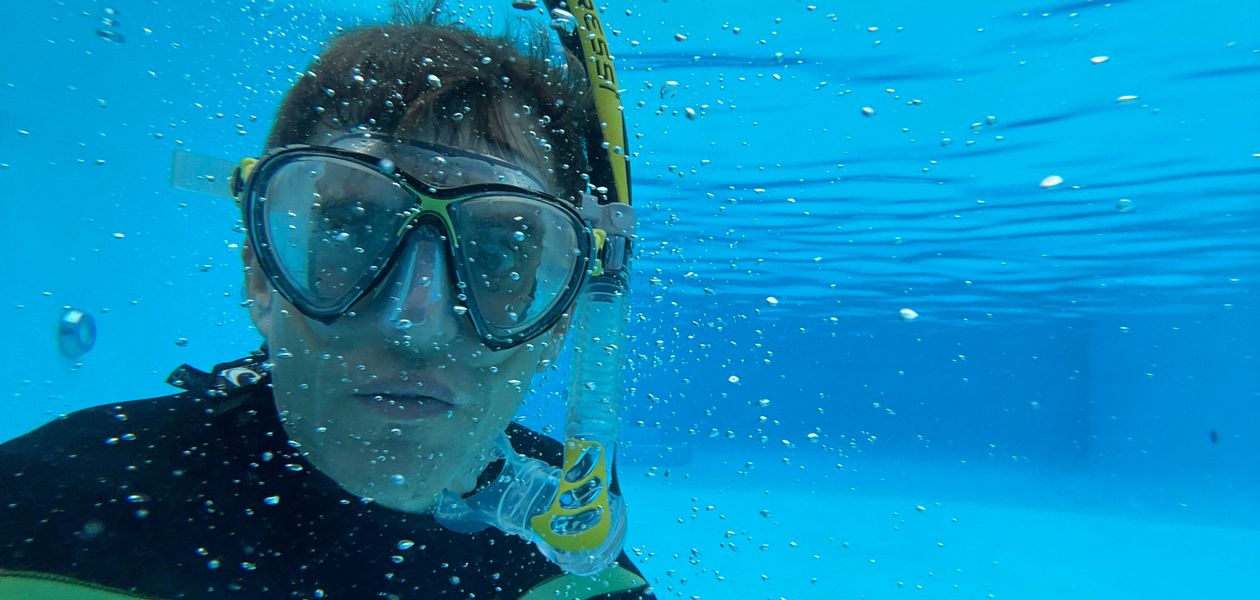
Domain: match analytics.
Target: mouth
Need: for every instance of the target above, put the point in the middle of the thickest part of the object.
(406, 406)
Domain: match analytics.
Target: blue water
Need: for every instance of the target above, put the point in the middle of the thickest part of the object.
(1074, 413)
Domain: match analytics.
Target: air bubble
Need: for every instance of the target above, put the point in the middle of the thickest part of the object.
(111, 36)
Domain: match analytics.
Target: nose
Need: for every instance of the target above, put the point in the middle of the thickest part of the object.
(415, 304)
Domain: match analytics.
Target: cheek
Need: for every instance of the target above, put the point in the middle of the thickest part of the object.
(307, 386)
(298, 382)
(505, 389)
(289, 332)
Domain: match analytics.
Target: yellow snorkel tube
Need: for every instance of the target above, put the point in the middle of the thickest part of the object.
(586, 521)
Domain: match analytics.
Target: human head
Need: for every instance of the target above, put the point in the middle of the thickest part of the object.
(448, 85)
(338, 385)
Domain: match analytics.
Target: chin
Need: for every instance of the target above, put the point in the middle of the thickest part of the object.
(410, 486)
(406, 498)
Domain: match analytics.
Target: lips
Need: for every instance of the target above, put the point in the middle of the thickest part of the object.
(406, 405)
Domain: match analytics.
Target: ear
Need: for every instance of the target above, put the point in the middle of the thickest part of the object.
(554, 342)
(258, 290)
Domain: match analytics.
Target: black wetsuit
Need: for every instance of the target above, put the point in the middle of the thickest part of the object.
(201, 495)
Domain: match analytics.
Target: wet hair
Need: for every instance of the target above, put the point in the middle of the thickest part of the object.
(446, 84)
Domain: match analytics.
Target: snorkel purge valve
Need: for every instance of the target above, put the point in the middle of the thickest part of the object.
(572, 514)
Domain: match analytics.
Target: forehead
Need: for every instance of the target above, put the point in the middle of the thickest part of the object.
(443, 166)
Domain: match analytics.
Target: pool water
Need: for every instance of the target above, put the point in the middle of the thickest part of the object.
(947, 300)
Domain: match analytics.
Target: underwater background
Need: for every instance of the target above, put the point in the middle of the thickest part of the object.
(948, 300)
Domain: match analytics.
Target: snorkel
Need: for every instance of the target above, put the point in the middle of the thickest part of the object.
(586, 514)
(572, 514)
(587, 517)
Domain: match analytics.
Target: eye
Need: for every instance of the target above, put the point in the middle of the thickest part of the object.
(344, 222)
(493, 259)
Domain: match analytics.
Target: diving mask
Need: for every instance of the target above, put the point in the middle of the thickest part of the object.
(328, 223)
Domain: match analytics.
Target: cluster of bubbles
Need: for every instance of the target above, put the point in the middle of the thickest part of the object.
(109, 26)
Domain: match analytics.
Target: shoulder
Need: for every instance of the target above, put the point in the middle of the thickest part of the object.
(93, 438)
(85, 439)
(99, 485)
(104, 455)
(123, 430)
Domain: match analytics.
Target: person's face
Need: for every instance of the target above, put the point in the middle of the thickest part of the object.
(395, 412)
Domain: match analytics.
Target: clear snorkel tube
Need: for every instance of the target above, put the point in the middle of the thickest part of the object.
(572, 514)
(587, 517)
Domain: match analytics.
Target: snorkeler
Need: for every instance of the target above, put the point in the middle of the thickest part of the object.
(433, 209)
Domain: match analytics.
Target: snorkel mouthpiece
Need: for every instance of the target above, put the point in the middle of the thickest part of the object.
(525, 489)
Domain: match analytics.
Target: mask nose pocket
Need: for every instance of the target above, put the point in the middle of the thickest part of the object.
(417, 287)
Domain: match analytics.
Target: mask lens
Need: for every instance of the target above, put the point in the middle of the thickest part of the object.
(521, 258)
(331, 224)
